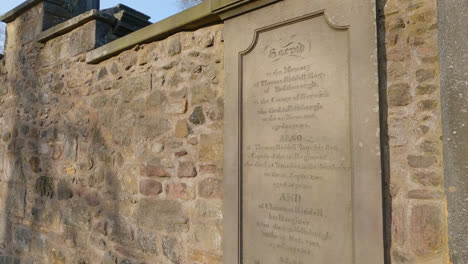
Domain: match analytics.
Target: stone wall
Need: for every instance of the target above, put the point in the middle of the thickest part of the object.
(119, 162)
(410, 86)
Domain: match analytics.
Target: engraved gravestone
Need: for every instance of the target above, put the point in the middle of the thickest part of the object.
(302, 166)
(296, 144)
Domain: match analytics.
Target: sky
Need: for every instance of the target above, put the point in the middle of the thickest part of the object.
(157, 9)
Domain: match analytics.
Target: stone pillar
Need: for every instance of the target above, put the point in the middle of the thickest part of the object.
(453, 43)
(410, 86)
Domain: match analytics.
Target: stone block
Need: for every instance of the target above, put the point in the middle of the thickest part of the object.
(161, 215)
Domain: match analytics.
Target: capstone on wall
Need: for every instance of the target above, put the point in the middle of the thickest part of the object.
(119, 162)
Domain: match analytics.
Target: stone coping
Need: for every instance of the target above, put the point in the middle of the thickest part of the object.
(15, 12)
(206, 13)
(73, 23)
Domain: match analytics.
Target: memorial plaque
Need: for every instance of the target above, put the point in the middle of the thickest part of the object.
(302, 179)
(296, 157)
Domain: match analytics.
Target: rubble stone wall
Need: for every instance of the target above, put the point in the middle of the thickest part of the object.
(119, 162)
(412, 132)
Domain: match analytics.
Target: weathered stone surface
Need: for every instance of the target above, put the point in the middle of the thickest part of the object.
(186, 169)
(428, 178)
(211, 147)
(202, 94)
(45, 186)
(399, 95)
(177, 107)
(171, 249)
(89, 148)
(150, 187)
(153, 171)
(210, 188)
(197, 117)
(63, 191)
(175, 47)
(424, 194)
(426, 229)
(147, 242)
(207, 237)
(161, 215)
(23, 237)
(421, 161)
(181, 129)
(155, 99)
(179, 191)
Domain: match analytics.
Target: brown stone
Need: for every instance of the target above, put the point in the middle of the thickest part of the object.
(421, 161)
(177, 107)
(210, 188)
(425, 75)
(426, 89)
(205, 257)
(425, 194)
(427, 105)
(428, 178)
(150, 187)
(179, 191)
(426, 229)
(180, 153)
(399, 229)
(181, 129)
(192, 141)
(211, 148)
(399, 95)
(186, 169)
(153, 171)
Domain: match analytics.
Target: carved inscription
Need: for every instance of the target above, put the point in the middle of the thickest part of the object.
(296, 157)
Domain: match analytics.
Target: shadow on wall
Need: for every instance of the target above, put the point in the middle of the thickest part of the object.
(49, 191)
(384, 145)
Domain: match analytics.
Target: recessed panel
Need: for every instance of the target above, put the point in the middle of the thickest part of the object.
(296, 167)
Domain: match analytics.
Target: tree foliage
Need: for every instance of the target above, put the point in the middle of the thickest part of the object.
(184, 4)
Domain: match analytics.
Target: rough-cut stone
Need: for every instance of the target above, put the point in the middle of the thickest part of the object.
(421, 161)
(202, 94)
(207, 237)
(150, 187)
(426, 229)
(200, 256)
(211, 148)
(186, 169)
(181, 129)
(177, 107)
(23, 237)
(175, 47)
(179, 191)
(161, 215)
(210, 188)
(205, 208)
(424, 194)
(424, 75)
(63, 191)
(197, 117)
(155, 99)
(171, 249)
(153, 171)
(45, 186)
(428, 178)
(399, 95)
(148, 242)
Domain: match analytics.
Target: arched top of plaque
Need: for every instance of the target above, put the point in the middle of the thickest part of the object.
(320, 13)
